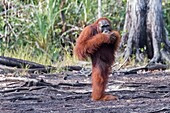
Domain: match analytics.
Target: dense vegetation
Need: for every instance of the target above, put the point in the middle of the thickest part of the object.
(44, 31)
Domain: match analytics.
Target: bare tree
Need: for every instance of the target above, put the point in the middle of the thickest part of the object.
(99, 8)
(144, 32)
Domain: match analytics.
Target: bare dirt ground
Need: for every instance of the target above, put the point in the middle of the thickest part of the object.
(70, 93)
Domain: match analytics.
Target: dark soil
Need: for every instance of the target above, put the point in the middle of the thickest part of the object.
(70, 93)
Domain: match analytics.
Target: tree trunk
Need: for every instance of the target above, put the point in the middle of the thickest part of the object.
(99, 8)
(144, 31)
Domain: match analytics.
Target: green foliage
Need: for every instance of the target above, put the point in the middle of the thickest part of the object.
(43, 25)
(115, 11)
(166, 13)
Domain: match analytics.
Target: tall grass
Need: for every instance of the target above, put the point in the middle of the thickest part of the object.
(28, 53)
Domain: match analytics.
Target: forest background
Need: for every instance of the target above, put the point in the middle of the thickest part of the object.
(44, 31)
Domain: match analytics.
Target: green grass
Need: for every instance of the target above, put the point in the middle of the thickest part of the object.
(31, 54)
(27, 53)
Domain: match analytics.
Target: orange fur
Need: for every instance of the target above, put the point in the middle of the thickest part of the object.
(100, 47)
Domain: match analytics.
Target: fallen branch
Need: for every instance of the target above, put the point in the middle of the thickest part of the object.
(6, 69)
(156, 66)
(8, 63)
(13, 62)
(72, 68)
